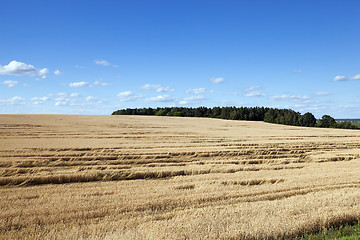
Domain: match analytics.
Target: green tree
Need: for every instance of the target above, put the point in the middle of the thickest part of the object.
(327, 121)
(270, 116)
(307, 120)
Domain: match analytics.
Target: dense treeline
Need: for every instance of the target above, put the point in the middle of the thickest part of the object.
(271, 115)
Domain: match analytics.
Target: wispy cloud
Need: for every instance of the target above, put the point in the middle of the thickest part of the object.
(94, 99)
(161, 98)
(198, 91)
(12, 101)
(251, 88)
(10, 83)
(79, 84)
(340, 78)
(255, 94)
(217, 80)
(65, 99)
(150, 87)
(98, 83)
(102, 62)
(128, 96)
(22, 69)
(323, 93)
(297, 71)
(192, 100)
(290, 98)
(40, 100)
(90, 98)
(57, 72)
(157, 88)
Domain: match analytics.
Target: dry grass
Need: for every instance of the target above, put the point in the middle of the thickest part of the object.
(132, 177)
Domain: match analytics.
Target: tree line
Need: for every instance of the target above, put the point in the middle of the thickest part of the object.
(270, 115)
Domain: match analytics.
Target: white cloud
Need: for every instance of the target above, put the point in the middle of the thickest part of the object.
(94, 100)
(39, 100)
(128, 96)
(98, 83)
(157, 88)
(90, 98)
(297, 71)
(62, 103)
(63, 96)
(165, 89)
(217, 80)
(150, 87)
(323, 93)
(57, 72)
(161, 98)
(10, 83)
(21, 69)
(290, 97)
(12, 101)
(255, 94)
(43, 72)
(251, 88)
(198, 91)
(345, 78)
(79, 67)
(192, 100)
(102, 62)
(65, 99)
(79, 84)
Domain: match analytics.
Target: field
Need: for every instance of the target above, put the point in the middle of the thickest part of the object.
(138, 177)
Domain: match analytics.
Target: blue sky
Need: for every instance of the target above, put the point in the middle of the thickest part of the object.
(94, 57)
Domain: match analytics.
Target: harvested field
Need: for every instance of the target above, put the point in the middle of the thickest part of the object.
(138, 177)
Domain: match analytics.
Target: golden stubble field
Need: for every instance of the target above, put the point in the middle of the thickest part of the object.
(138, 177)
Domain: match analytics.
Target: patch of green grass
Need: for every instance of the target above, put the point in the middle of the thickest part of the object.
(344, 232)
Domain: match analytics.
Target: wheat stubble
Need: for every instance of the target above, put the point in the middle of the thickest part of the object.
(137, 177)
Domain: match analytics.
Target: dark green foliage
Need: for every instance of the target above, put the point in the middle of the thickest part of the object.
(307, 120)
(326, 121)
(270, 115)
(233, 113)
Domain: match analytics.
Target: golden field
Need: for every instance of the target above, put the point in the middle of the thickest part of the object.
(139, 177)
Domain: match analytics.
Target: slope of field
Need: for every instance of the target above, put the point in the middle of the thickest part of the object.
(138, 177)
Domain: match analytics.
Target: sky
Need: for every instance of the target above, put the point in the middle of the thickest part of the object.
(94, 57)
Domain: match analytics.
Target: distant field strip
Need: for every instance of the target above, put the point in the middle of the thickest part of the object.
(135, 177)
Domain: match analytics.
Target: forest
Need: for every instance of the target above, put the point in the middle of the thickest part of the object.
(270, 115)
